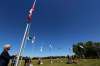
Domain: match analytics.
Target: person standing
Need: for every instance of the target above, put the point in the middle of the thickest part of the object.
(13, 61)
(5, 57)
(30, 63)
(69, 59)
(27, 59)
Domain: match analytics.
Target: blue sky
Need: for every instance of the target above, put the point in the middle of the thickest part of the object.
(60, 23)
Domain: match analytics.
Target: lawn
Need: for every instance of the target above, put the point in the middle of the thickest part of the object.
(57, 62)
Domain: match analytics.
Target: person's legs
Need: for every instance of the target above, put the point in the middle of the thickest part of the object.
(25, 64)
(11, 64)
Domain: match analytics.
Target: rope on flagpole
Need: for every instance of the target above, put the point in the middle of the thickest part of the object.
(22, 44)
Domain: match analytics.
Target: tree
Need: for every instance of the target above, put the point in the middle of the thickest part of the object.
(88, 49)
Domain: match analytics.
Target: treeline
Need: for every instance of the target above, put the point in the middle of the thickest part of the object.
(49, 57)
(87, 49)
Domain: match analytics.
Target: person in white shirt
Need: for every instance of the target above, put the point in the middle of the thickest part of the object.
(30, 63)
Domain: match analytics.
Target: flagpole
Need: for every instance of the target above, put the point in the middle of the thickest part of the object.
(22, 44)
(27, 34)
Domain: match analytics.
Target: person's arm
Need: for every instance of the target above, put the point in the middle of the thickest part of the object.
(11, 57)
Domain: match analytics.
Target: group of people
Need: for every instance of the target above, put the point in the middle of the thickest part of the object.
(5, 57)
(28, 61)
(72, 59)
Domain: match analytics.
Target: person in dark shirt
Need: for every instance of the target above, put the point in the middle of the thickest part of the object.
(69, 59)
(5, 57)
(27, 59)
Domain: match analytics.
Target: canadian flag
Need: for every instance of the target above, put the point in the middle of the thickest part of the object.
(31, 11)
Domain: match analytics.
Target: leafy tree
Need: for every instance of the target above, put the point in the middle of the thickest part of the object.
(88, 49)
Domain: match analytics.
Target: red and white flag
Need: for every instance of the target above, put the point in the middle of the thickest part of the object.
(31, 11)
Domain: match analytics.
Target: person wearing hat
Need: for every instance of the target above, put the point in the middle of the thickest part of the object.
(5, 57)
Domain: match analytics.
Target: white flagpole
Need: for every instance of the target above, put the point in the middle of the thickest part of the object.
(34, 3)
(27, 34)
(22, 44)
(23, 40)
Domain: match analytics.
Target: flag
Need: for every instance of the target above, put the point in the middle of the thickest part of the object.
(50, 46)
(70, 48)
(29, 38)
(41, 49)
(33, 39)
(81, 46)
(31, 11)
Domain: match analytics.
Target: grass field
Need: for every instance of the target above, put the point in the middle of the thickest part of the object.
(82, 62)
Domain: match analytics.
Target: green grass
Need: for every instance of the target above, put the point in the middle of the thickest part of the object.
(57, 62)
